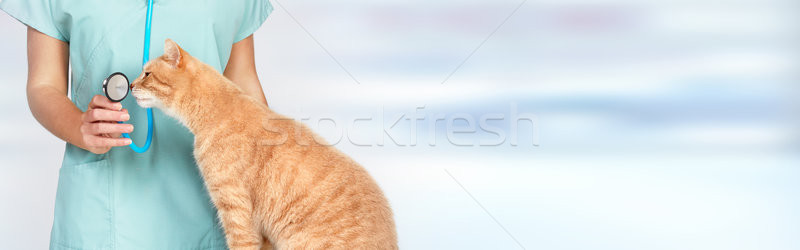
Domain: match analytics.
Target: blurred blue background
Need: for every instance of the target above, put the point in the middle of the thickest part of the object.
(659, 124)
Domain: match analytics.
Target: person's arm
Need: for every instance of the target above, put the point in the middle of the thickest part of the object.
(241, 69)
(48, 66)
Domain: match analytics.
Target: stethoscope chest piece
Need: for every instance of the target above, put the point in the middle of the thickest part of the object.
(116, 87)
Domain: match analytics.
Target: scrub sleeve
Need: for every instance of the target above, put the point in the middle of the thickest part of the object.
(122, 199)
(252, 18)
(35, 14)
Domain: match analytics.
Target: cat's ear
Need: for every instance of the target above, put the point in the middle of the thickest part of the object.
(172, 53)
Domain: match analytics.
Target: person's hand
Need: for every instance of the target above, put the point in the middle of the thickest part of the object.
(100, 129)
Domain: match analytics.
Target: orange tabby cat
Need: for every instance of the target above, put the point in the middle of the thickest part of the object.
(269, 176)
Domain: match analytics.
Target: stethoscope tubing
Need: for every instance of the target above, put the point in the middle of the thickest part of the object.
(145, 58)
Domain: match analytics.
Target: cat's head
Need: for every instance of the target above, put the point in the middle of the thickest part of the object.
(164, 80)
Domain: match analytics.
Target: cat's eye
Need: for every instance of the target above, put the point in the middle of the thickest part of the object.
(146, 74)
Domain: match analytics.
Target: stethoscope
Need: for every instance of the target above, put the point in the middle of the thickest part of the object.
(116, 86)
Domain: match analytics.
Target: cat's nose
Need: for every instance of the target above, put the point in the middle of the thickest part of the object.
(133, 83)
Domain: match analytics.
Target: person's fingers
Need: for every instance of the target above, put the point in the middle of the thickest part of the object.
(115, 142)
(105, 128)
(101, 141)
(99, 114)
(99, 101)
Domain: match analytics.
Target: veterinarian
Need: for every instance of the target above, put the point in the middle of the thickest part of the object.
(110, 197)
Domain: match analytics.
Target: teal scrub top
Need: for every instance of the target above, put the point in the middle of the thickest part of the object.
(123, 199)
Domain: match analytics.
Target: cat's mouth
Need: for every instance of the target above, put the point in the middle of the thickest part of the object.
(144, 99)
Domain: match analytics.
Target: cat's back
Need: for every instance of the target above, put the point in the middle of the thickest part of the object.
(307, 192)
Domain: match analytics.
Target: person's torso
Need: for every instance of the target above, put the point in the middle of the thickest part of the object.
(123, 199)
